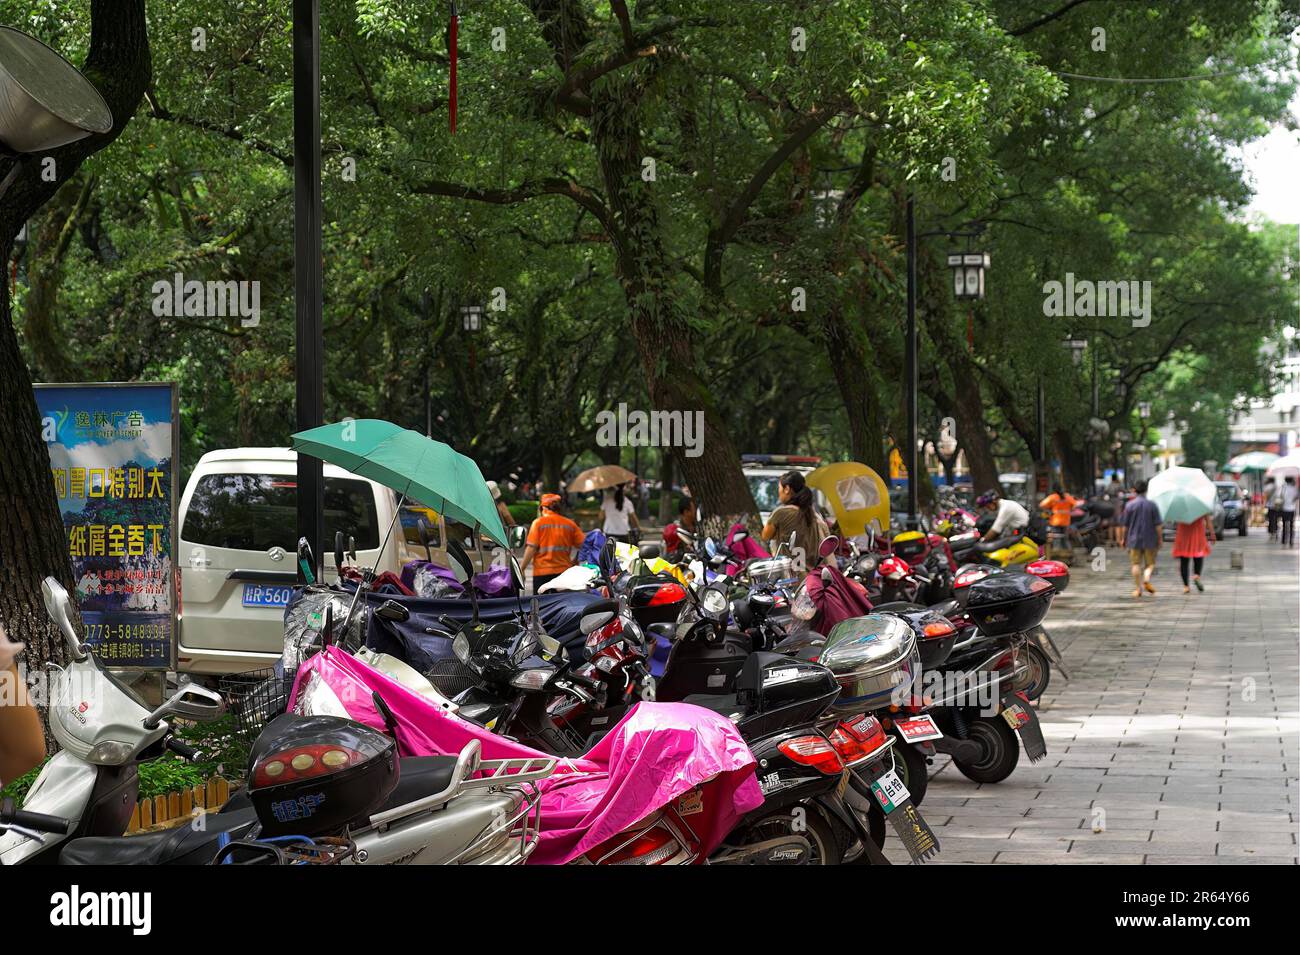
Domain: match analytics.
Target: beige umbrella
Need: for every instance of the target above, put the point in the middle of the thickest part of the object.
(594, 479)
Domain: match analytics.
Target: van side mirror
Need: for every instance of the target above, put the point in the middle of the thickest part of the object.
(58, 605)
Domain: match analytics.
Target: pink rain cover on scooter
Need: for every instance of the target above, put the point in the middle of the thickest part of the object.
(655, 754)
(744, 549)
(841, 599)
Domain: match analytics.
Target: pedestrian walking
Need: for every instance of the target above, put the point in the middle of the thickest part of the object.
(1192, 544)
(620, 514)
(552, 539)
(1142, 529)
(1290, 495)
(1273, 501)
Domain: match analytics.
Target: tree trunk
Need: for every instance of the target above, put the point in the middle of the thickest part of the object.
(664, 339)
(667, 504)
(971, 432)
(846, 351)
(32, 541)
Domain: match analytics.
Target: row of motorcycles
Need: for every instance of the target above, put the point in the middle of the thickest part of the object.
(721, 709)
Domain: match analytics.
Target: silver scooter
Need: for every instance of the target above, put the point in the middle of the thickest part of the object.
(446, 810)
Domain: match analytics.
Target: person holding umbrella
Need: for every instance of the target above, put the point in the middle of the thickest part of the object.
(1192, 541)
(1185, 497)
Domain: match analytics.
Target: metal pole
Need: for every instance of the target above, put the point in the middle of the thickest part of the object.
(910, 458)
(1042, 422)
(307, 266)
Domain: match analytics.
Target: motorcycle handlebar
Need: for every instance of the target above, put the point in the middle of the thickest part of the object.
(35, 821)
(184, 750)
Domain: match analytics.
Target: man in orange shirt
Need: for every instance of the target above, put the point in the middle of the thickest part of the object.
(1061, 504)
(551, 540)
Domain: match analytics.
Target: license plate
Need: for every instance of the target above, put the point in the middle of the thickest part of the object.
(919, 729)
(267, 595)
(1015, 716)
(889, 791)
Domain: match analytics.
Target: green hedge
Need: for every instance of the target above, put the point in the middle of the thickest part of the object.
(523, 511)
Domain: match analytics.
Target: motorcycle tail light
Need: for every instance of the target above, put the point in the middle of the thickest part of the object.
(938, 629)
(653, 847)
(814, 751)
(303, 762)
(848, 748)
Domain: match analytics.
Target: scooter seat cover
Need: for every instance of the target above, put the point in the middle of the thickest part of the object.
(654, 755)
(181, 845)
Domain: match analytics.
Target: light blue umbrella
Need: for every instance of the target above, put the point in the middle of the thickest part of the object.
(1182, 494)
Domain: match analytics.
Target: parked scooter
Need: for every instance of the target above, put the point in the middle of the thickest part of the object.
(460, 809)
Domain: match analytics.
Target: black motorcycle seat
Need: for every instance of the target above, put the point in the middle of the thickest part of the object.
(725, 705)
(420, 776)
(181, 845)
(946, 607)
(988, 547)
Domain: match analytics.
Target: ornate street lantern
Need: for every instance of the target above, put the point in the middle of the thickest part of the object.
(968, 273)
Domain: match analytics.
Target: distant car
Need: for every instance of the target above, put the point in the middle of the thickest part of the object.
(239, 537)
(763, 472)
(1236, 506)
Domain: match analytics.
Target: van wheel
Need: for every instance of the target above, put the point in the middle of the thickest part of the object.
(999, 751)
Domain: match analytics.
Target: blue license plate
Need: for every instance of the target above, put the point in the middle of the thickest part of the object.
(266, 595)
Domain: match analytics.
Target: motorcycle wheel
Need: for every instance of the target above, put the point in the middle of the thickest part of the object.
(1000, 751)
(1038, 672)
(825, 849)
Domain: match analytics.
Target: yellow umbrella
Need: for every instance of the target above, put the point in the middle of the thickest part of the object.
(602, 476)
(857, 495)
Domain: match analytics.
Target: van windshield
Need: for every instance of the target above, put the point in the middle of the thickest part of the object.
(259, 511)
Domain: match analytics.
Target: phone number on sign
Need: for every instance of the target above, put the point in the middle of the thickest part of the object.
(96, 632)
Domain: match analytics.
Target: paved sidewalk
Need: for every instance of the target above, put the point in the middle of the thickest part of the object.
(1176, 738)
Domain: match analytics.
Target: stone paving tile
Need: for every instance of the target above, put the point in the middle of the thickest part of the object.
(1181, 723)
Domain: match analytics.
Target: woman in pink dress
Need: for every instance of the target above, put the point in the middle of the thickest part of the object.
(1192, 545)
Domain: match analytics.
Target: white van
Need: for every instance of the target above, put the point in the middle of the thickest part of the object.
(238, 543)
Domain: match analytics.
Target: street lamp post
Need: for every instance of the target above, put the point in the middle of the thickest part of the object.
(309, 351)
(968, 283)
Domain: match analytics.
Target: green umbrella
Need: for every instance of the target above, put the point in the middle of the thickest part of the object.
(417, 467)
(1182, 494)
(1250, 461)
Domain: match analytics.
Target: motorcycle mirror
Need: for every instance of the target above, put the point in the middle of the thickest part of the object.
(191, 701)
(828, 546)
(739, 536)
(518, 535)
(462, 566)
(392, 610)
(597, 615)
(710, 547)
(422, 528)
(338, 552)
(59, 607)
(827, 578)
(352, 547)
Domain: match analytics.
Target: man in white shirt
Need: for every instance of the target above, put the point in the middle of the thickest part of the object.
(1010, 517)
(1290, 497)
